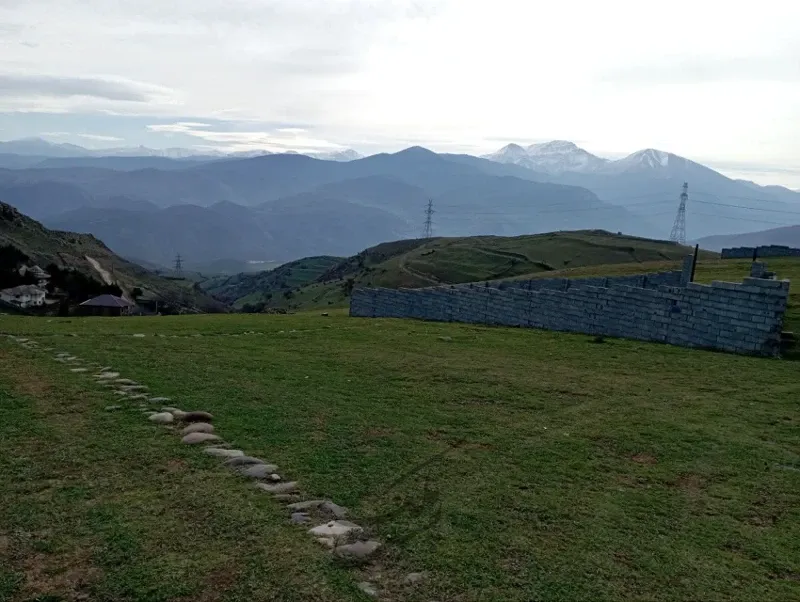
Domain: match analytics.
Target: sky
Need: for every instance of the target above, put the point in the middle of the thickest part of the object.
(715, 81)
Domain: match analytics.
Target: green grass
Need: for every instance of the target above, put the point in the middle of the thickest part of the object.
(510, 464)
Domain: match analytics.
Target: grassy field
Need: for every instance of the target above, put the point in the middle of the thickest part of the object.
(507, 464)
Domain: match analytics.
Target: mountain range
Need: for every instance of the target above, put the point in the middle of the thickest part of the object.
(36, 149)
(279, 207)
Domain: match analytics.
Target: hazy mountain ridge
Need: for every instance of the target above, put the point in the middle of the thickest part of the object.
(788, 236)
(278, 207)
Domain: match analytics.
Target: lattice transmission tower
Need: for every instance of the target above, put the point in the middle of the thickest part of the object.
(678, 233)
(179, 266)
(427, 230)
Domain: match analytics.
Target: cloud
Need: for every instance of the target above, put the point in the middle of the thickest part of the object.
(101, 138)
(228, 137)
(692, 70)
(19, 85)
(378, 75)
(181, 127)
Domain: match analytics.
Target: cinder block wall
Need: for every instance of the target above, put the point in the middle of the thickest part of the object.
(765, 251)
(740, 318)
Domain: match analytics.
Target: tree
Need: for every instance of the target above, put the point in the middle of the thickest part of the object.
(136, 293)
(348, 286)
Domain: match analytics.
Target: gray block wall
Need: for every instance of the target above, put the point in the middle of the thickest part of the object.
(764, 251)
(740, 318)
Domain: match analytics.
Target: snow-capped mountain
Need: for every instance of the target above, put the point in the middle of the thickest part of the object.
(342, 156)
(562, 157)
(555, 157)
(647, 160)
(559, 156)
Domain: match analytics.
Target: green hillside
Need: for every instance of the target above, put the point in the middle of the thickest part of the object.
(88, 255)
(428, 262)
(254, 289)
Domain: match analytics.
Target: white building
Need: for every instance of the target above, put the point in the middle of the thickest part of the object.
(26, 295)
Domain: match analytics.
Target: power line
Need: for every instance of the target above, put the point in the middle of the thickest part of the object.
(750, 208)
(427, 230)
(678, 233)
(742, 219)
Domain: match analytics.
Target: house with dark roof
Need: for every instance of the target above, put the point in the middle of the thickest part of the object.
(107, 305)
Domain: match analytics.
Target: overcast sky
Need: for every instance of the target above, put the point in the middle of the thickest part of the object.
(716, 81)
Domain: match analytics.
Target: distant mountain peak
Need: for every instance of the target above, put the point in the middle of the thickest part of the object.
(416, 151)
(555, 146)
(554, 157)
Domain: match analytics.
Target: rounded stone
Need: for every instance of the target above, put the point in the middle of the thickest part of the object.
(412, 578)
(335, 528)
(368, 588)
(194, 438)
(289, 487)
(197, 417)
(300, 518)
(307, 505)
(162, 418)
(334, 510)
(258, 471)
(197, 427)
(360, 550)
(78, 369)
(223, 453)
(113, 408)
(243, 461)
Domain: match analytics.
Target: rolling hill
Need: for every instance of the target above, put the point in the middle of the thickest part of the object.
(427, 262)
(88, 255)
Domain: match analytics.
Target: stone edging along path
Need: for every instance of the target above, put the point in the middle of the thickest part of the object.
(344, 539)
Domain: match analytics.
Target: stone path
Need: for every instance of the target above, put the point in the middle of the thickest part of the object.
(323, 519)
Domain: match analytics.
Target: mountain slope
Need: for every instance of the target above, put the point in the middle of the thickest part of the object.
(282, 230)
(90, 256)
(788, 237)
(259, 288)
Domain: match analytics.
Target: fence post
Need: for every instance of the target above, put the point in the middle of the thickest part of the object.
(694, 262)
